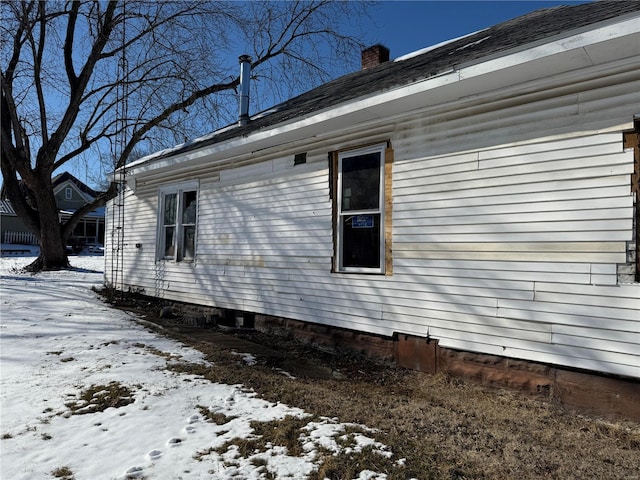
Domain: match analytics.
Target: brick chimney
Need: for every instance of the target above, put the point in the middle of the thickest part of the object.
(374, 56)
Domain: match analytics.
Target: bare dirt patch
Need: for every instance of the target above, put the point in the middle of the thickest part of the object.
(437, 426)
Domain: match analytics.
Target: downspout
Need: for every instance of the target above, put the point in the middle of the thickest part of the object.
(245, 75)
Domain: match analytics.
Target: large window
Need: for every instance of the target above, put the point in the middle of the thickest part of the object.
(360, 210)
(177, 218)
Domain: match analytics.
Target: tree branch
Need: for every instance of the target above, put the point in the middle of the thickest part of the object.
(37, 52)
(78, 87)
(68, 44)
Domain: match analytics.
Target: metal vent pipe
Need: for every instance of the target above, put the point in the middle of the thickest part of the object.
(245, 75)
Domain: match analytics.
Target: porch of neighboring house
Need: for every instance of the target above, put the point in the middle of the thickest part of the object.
(88, 231)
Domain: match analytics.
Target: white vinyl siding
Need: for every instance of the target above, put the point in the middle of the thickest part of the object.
(509, 220)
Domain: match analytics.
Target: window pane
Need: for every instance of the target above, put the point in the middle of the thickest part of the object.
(189, 207)
(170, 209)
(361, 182)
(169, 241)
(189, 241)
(361, 241)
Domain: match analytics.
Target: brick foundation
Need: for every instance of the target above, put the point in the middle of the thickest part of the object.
(586, 391)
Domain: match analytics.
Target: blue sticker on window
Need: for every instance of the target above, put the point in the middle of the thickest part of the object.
(362, 221)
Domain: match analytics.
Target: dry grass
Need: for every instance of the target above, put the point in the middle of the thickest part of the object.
(213, 417)
(437, 427)
(444, 428)
(97, 398)
(349, 465)
(284, 433)
(64, 473)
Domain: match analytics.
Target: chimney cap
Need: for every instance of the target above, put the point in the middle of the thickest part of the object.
(374, 56)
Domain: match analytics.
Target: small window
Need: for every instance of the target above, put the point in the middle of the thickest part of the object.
(360, 210)
(68, 193)
(177, 222)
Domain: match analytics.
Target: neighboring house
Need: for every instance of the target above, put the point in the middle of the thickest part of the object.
(70, 195)
(11, 227)
(466, 208)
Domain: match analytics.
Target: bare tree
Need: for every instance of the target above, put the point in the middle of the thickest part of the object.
(82, 78)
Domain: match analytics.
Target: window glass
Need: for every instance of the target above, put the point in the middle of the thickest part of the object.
(189, 207)
(361, 241)
(169, 241)
(361, 182)
(170, 209)
(189, 242)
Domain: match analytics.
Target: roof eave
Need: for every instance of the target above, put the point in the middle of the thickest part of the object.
(583, 48)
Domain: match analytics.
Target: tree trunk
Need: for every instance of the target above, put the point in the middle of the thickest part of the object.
(53, 254)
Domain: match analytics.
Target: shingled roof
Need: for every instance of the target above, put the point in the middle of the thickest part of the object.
(498, 39)
(66, 176)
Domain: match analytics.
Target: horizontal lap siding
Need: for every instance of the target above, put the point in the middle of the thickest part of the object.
(253, 233)
(534, 229)
(134, 265)
(502, 244)
(277, 219)
(460, 215)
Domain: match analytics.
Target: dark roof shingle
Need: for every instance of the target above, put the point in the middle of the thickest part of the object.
(520, 31)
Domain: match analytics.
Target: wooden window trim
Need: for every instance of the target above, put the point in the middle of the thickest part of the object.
(388, 210)
(631, 139)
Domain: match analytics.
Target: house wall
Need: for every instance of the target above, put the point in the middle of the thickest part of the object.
(75, 202)
(12, 230)
(509, 220)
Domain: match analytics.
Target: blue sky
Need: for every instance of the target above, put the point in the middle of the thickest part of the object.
(407, 26)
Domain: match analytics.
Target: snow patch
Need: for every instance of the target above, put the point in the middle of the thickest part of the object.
(58, 340)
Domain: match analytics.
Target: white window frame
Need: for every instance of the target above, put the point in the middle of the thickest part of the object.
(178, 189)
(380, 210)
(68, 193)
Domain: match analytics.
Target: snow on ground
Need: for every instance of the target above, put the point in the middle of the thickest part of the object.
(58, 339)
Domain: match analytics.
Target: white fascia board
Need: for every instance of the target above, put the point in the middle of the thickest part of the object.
(569, 53)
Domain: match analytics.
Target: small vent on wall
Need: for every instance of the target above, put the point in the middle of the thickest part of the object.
(300, 158)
